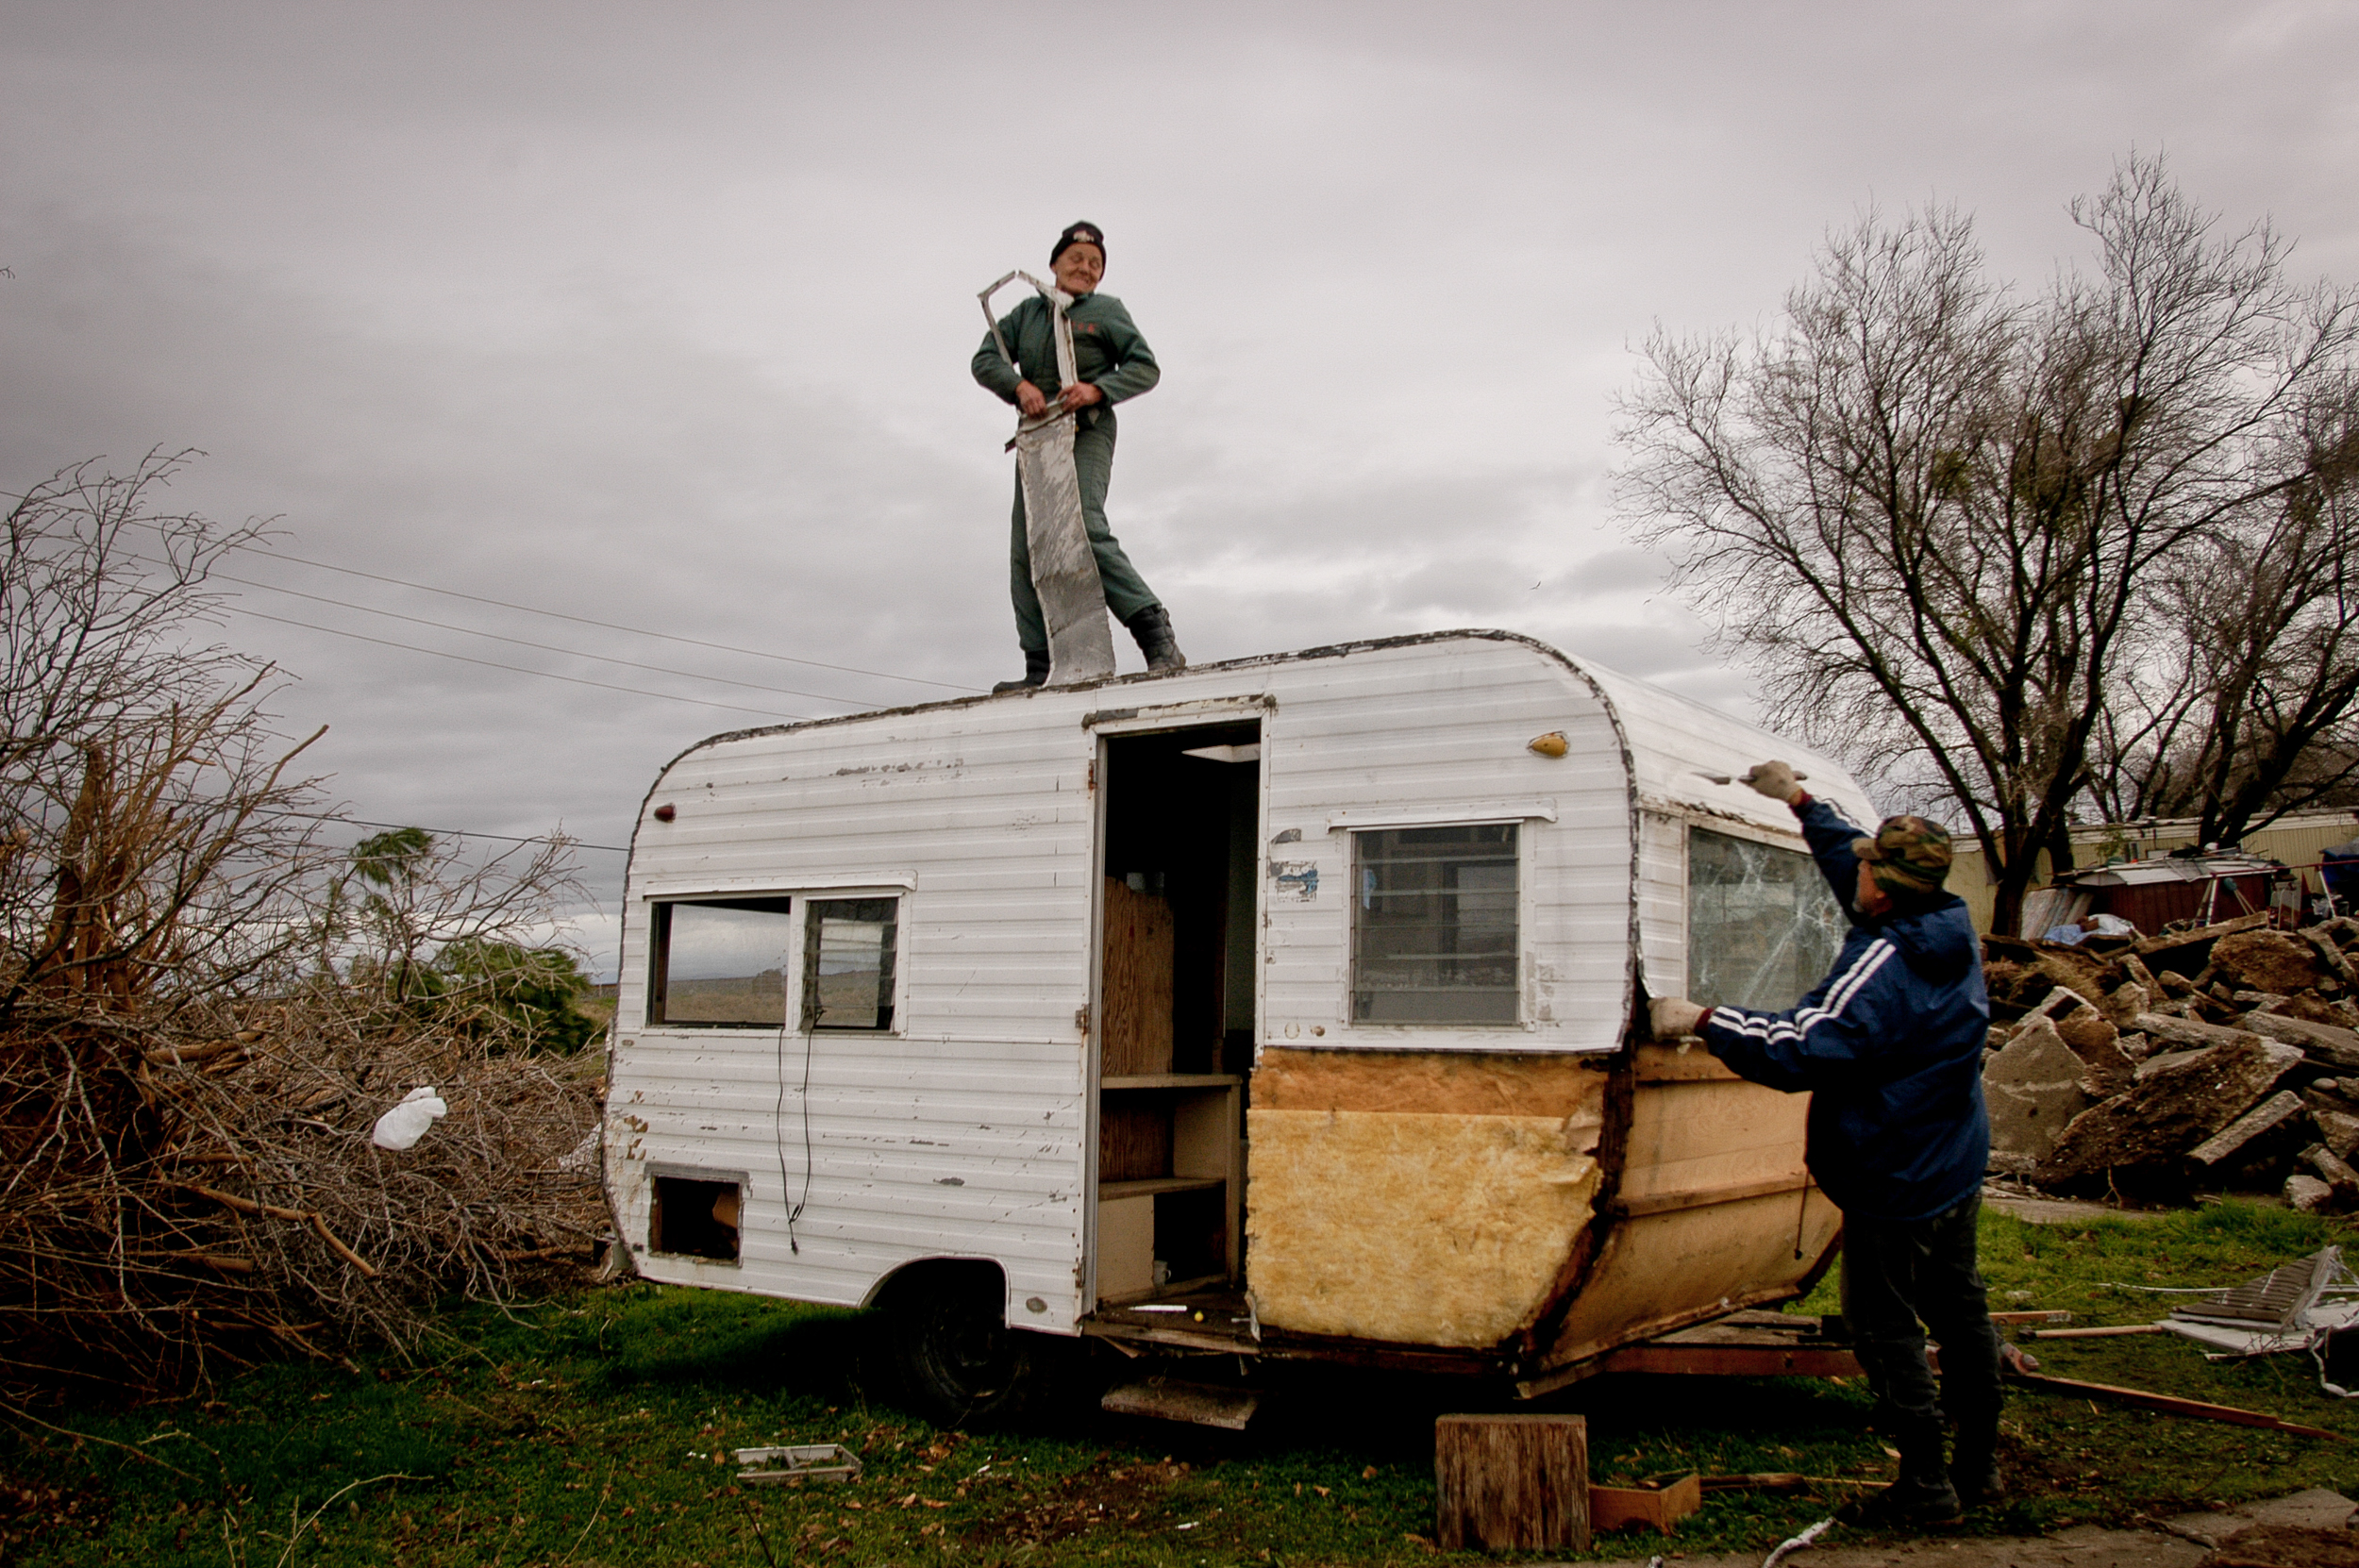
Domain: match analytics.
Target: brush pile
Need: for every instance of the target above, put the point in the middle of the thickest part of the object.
(2224, 1058)
(190, 1199)
(204, 1007)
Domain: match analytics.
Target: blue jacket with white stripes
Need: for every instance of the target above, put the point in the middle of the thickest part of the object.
(1889, 1045)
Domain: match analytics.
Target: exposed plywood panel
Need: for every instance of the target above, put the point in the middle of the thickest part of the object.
(1717, 1206)
(1136, 982)
(1134, 1137)
(1434, 1082)
(1422, 1230)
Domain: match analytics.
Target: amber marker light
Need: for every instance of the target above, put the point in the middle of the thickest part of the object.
(1552, 744)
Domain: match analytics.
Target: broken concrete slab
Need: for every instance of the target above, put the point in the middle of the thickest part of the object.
(2097, 1044)
(2324, 1043)
(2308, 1194)
(2033, 1089)
(2280, 1116)
(2337, 1129)
(2191, 1031)
(2172, 1107)
(2123, 1005)
(2329, 1168)
(2275, 961)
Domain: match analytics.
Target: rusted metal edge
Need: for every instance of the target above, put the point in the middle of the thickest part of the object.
(1621, 1101)
(1706, 1197)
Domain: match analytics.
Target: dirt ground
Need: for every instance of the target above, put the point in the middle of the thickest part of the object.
(2308, 1529)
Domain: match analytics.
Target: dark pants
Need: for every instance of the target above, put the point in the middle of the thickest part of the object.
(1126, 593)
(1899, 1273)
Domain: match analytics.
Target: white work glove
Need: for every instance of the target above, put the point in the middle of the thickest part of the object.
(1775, 779)
(1674, 1017)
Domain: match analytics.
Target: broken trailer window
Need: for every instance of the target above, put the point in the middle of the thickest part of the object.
(849, 964)
(1762, 926)
(1433, 925)
(720, 963)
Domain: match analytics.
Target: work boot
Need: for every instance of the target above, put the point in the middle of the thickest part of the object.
(1974, 1463)
(1152, 628)
(1921, 1496)
(1035, 673)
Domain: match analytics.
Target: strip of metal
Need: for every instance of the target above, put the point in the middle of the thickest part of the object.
(1177, 715)
(1706, 1197)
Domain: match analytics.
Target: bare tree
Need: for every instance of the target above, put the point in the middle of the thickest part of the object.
(1947, 523)
(196, 1034)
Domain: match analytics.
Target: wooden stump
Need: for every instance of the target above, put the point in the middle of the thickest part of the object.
(1511, 1482)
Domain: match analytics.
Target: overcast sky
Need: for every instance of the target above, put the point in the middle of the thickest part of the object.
(660, 314)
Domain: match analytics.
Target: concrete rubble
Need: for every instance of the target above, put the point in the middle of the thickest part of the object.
(2221, 1059)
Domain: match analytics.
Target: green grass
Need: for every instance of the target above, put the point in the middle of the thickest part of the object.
(585, 1431)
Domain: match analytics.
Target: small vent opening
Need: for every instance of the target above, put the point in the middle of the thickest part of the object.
(694, 1219)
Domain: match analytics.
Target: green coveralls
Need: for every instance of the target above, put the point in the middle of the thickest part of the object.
(1109, 353)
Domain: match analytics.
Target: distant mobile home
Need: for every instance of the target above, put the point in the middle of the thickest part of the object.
(1286, 1006)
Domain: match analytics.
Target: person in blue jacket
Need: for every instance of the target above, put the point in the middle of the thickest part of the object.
(1890, 1046)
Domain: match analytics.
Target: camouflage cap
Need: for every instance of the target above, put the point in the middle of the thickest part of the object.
(1907, 855)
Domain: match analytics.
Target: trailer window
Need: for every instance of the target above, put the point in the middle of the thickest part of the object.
(848, 963)
(1763, 927)
(1433, 925)
(719, 963)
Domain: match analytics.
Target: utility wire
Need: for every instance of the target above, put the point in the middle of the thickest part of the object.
(521, 643)
(518, 669)
(606, 626)
(462, 832)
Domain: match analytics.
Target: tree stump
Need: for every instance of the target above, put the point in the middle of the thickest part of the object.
(1511, 1482)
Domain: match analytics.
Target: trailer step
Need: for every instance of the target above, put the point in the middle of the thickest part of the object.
(1198, 1404)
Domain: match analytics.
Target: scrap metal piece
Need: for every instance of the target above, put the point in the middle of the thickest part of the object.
(802, 1461)
(1064, 568)
(1801, 1543)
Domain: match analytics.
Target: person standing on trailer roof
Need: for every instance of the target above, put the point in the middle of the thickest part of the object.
(1889, 1048)
(1112, 364)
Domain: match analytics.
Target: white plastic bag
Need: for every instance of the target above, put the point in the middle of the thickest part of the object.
(407, 1122)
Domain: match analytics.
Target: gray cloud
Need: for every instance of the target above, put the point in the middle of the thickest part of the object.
(660, 316)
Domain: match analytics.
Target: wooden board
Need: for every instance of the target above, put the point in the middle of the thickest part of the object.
(1137, 982)
(1134, 1137)
(1511, 1482)
(1430, 1083)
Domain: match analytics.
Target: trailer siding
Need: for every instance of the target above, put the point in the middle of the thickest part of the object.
(968, 1131)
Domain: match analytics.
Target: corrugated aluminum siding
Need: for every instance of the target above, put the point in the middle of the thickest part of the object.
(967, 1131)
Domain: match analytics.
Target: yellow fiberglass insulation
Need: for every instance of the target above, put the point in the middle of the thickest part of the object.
(1418, 1229)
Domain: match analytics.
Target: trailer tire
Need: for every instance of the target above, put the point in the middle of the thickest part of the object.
(957, 1362)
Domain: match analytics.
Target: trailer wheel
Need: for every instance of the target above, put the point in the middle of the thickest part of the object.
(958, 1362)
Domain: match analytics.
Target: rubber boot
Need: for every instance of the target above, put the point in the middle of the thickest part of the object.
(1035, 673)
(1974, 1463)
(1151, 627)
(1921, 1496)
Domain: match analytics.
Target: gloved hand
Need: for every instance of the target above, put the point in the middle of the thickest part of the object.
(1674, 1017)
(1775, 779)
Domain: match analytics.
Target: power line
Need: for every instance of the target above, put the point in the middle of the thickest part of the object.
(519, 642)
(606, 626)
(518, 669)
(464, 833)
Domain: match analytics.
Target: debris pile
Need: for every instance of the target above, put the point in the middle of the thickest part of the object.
(2223, 1058)
(205, 1192)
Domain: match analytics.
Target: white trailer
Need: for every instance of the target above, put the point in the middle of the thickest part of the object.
(1298, 993)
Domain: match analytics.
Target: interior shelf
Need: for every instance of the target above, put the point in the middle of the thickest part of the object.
(1172, 1080)
(1153, 1185)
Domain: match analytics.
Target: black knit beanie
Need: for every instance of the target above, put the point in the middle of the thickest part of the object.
(1079, 234)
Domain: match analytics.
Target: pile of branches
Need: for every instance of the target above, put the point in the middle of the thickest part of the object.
(206, 1004)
